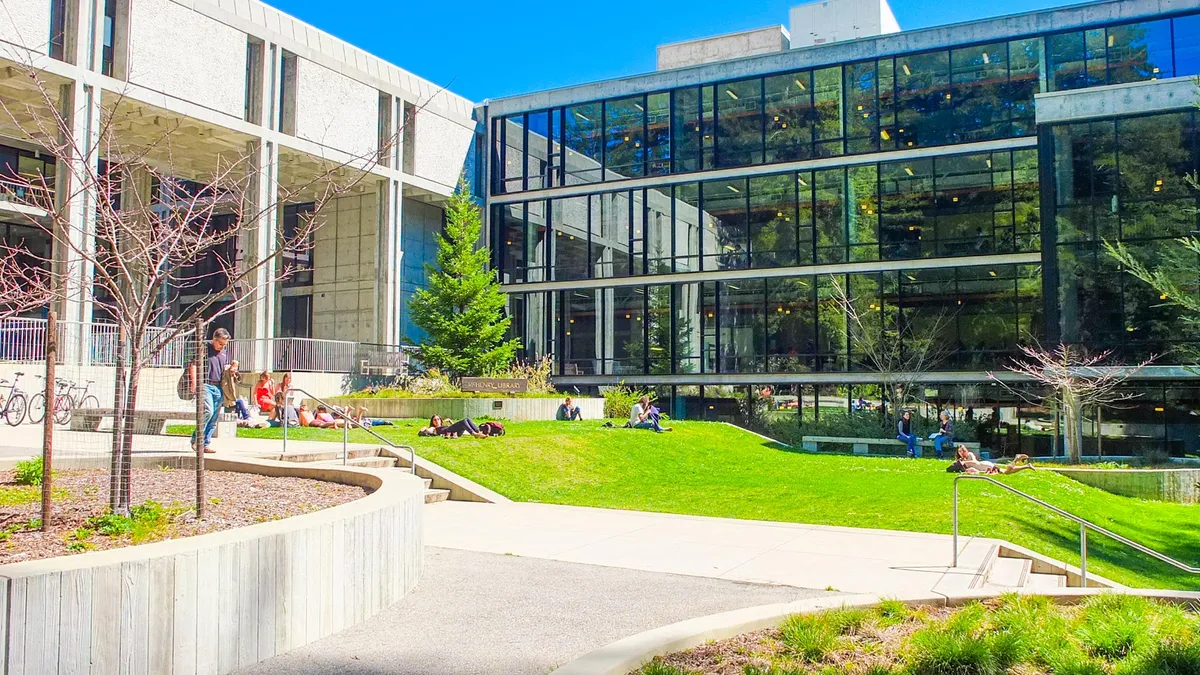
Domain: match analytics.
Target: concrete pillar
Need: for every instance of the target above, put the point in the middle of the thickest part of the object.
(75, 188)
(390, 304)
(258, 316)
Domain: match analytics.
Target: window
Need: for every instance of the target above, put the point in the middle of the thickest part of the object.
(627, 346)
(612, 236)
(569, 219)
(1187, 48)
(581, 332)
(862, 113)
(582, 134)
(624, 149)
(510, 219)
(772, 221)
(739, 123)
(1075, 60)
(297, 245)
(725, 210)
(924, 100)
(658, 134)
(58, 29)
(296, 316)
(981, 104)
(513, 167)
(1140, 51)
(108, 38)
(789, 116)
(687, 129)
(537, 150)
(827, 112)
(254, 62)
(742, 329)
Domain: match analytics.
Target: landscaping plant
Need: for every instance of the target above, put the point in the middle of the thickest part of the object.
(462, 310)
(28, 472)
(619, 400)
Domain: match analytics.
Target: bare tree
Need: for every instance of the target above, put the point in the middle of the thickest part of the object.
(1078, 378)
(900, 352)
(160, 203)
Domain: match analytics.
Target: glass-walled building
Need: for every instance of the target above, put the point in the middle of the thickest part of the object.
(722, 231)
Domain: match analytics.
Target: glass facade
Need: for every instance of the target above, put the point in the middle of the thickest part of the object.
(949, 206)
(737, 293)
(954, 95)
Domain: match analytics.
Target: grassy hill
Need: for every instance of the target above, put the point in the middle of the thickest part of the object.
(714, 469)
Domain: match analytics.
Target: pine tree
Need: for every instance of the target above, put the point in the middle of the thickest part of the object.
(462, 310)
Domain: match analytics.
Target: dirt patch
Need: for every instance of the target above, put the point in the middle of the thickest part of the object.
(167, 498)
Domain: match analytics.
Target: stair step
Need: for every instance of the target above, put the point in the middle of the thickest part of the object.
(1046, 581)
(1009, 572)
(374, 462)
(433, 496)
(428, 482)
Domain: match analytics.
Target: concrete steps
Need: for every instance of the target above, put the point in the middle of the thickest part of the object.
(1008, 573)
(367, 458)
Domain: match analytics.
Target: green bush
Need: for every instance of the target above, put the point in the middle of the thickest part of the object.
(619, 400)
(786, 428)
(1115, 626)
(660, 667)
(29, 472)
(814, 636)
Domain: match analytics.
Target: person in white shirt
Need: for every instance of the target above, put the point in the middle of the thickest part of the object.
(645, 416)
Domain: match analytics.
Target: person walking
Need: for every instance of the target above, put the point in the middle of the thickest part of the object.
(904, 432)
(216, 361)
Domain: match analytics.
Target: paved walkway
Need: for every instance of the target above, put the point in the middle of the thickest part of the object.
(882, 562)
(486, 614)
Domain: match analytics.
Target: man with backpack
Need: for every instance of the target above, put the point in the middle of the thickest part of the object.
(216, 363)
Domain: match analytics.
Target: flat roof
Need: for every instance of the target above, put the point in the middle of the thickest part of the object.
(922, 39)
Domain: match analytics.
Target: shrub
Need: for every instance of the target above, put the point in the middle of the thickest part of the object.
(619, 400)
(891, 612)
(1114, 626)
(29, 472)
(1166, 659)
(538, 372)
(813, 636)
(660, 667)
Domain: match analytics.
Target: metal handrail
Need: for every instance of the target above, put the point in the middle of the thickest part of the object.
(412, 453)
(1084, 526)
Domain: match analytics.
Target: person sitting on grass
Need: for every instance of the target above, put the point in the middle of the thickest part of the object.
(292, 419)
(568, 411)
(645, 416)
(326, 420)
(447, 428)
(264, 393)
(904, 432)
(969, 463)
(305, 415)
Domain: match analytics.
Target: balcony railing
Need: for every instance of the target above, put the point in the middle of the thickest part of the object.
(24, 341)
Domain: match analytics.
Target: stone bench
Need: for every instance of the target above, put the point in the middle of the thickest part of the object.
(145, 422)
(861, 446)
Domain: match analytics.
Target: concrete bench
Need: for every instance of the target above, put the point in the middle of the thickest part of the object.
(145, 422)
(861, 446)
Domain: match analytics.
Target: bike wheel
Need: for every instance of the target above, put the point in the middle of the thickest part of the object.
(37, 408)
(90, 401)
(62, 410)
(14, 412)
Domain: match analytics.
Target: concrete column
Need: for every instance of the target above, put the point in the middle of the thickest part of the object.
(75, 188)
(258, 316)
(390, 304)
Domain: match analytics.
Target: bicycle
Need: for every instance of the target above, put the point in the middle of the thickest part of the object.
(83, 400)
(62, 403)
(16, 405)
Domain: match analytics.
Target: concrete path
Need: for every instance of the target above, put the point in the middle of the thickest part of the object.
(882, 562)
(486, 614)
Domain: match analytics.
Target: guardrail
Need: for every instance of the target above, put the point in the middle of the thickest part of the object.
(24, 341)
(350, 421)
(1084, 526)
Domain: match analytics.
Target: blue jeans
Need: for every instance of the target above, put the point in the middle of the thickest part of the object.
(569, 414)
(243, 411)
(939, 441)
(213, 398)
(914, 450)
(652, 422)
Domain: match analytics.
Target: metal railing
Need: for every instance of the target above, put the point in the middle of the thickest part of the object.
(1084, 526)
(24, 340)
(349, 421)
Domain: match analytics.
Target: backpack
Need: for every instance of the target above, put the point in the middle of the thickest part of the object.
(492, 428)
(184, 388)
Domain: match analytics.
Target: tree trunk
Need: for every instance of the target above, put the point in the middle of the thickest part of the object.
(131, 392)
(115, 470)
(1072, 427)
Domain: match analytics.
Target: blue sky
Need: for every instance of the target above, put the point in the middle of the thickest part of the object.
(482, 49)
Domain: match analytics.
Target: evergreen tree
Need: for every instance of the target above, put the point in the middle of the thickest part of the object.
(462, 310)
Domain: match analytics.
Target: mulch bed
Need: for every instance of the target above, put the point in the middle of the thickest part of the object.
(233, 500)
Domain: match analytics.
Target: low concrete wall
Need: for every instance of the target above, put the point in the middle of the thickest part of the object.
(1181, 486)
(518, 409)
(223, 601)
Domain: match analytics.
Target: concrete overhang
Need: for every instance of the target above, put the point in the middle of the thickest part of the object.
(1135, 98)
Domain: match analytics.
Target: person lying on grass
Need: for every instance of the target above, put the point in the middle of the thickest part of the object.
(325, 419)
(447, 428)
(967, 462)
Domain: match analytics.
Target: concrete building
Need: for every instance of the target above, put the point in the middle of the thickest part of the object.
(723, 47)
(241, 76)
(823, 21)
(688, 230)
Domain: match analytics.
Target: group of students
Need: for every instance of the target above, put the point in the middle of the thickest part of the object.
(965, 461)
(272, 400)
(642, 415)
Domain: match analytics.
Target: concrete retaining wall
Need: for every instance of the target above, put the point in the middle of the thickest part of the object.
(1165, 485)
(519, 409)
(222, 601)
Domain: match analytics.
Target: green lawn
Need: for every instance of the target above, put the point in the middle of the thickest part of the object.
(717, 470)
